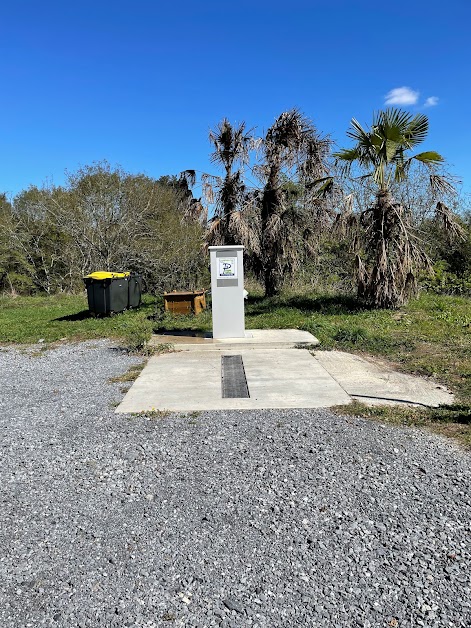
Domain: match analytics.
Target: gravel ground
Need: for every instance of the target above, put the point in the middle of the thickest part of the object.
(243, 518)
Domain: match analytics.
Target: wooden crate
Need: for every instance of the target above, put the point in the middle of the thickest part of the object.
(185, 302)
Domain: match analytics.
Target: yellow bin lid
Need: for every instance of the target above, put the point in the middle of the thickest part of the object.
(102, 274)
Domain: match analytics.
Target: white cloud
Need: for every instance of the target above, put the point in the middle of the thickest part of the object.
(402, 96)
(431, 102)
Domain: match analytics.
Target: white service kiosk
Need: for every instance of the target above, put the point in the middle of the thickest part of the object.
(227, 290)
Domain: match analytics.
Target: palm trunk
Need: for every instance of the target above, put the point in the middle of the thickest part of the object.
(271, 202)
(384, 283)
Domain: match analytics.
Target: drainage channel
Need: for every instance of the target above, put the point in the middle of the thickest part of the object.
(233, 380)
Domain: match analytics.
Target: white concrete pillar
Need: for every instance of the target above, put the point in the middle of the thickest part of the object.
(227, 290)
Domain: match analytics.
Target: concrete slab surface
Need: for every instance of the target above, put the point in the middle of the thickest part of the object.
(282, 378)
(255, 339)
(278, 376)
(374, 382)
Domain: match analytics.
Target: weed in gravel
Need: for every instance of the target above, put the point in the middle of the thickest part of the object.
(129, 376)
(150, 350)
(152, 414)
(169, 617)
(164, 347)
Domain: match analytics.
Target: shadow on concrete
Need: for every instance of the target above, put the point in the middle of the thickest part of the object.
(393, 399)
(190, 333)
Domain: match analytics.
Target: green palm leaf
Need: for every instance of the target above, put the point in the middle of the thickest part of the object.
(392, 148)
(382, 149)
(358, 133)
(347, 154)
(429, 157)
(416, 131)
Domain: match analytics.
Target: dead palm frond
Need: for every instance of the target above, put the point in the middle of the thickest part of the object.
(232, 144)
(449, 221)
(188, 177)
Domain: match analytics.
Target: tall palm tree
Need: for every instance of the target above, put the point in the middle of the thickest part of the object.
(389, 252)
(274, 223)
(232, 144)
(291, 146)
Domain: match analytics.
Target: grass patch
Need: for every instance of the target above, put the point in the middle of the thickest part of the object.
(153, 414)
(66, 317)
(163, 347)
(184, 322)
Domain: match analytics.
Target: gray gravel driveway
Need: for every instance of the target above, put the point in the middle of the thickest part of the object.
(240, 518)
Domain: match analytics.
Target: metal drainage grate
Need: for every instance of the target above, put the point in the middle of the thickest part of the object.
(234, 382)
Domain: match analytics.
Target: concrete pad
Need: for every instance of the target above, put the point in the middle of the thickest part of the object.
(282, 378)
(255, 339)
(375, 383)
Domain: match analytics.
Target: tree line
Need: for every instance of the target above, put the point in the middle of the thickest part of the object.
(378, 216)
(102, 219)
(387, 207)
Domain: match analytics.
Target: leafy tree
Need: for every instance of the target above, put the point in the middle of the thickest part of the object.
(451, 256)
(102, 219)
(389, 251)
(15, 269)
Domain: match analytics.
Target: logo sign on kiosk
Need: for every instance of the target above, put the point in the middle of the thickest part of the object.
(227, 268)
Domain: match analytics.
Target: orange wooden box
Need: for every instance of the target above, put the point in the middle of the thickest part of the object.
(185, 302)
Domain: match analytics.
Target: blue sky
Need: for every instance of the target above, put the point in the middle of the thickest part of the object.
(141, 83)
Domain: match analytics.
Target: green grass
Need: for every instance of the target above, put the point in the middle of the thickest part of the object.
(130, 375)
(66, 317)
(431, 336)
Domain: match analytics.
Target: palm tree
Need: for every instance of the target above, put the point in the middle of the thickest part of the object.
(291, 146)
(231, 148)
(232, 144)
(389, 252)
(277, 223)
